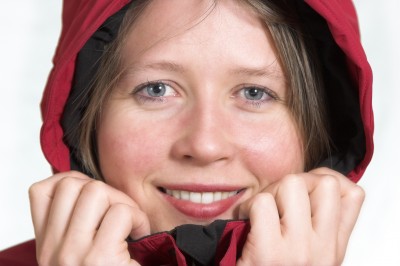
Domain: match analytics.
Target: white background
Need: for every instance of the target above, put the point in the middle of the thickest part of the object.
(29, 32)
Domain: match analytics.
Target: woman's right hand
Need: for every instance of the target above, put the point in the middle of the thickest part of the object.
(81, 221)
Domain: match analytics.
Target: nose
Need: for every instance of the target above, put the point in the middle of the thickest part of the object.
(205, 137)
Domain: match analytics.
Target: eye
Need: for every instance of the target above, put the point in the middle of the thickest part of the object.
(254, 94)
(157, 91)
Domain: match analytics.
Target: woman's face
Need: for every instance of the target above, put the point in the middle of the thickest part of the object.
(198, 123)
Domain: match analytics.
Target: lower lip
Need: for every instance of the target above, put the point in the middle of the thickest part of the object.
(203, 211)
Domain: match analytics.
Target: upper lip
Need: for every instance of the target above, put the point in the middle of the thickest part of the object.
(201, 187)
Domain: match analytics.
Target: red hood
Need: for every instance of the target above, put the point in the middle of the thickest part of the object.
(81, 19)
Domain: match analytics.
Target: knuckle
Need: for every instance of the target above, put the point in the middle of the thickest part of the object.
(35, 189)
(259, 203)
(329, 182)
(294, 181)
(67, 183)
(95, 189)
(121, 209)
(73, 174)
(76, 174)
(357, 193)
(326, 171)
(263, 198)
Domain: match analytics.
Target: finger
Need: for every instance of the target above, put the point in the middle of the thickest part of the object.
(94, 201)
(325, 197)
(121, 221)
(265, 232)
(41, 196)
(351, 206)
(352, 197)
(293, 202)
(66, 194)
(108, 246)
(263, 214)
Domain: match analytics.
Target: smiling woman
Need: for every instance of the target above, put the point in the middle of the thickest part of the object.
(211, 132)
(205, 120)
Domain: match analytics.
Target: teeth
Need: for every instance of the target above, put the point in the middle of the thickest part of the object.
(195, 197)
(201, 197)
(185, 195)
(207, 197)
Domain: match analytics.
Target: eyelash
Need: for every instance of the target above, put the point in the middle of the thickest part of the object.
(143, 86)
(271, 95)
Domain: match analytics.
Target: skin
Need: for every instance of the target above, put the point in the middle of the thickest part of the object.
(204, 131)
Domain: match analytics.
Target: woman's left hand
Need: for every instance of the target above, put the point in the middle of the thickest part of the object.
(302, 219)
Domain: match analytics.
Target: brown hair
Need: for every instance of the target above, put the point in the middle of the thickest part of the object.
(305, 84)
(305, 90)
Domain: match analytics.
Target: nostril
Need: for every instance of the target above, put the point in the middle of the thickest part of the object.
(187, 157)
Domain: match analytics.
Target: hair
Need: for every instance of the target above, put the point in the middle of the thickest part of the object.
(305, 95)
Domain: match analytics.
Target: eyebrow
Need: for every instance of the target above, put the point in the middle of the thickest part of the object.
(162, 65)
(169, 66)
(257, 72)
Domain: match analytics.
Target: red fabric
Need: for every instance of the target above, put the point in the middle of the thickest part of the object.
(161, 244)
(21, 255)
(81, 18)
(229, 247)
(342, 21)
(231, 244)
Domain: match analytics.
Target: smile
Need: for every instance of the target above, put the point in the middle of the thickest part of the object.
(202, 202)
(201, 197)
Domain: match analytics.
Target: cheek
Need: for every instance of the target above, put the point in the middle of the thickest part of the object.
(273, 150)
(128, 149)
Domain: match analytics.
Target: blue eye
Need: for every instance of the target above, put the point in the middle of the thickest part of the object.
(154, 91)
(254, 94)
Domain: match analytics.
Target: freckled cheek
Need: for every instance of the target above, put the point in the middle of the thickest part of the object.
(272, 152)
(128, 151)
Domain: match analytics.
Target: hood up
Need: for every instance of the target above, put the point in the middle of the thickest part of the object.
(89, 24)
(334, 29)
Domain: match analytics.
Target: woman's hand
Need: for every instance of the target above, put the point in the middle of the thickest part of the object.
(81, 221)
(303, 219)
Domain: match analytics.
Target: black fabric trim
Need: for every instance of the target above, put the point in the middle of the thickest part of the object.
(341, 95)
(199, 243)
(87, 64)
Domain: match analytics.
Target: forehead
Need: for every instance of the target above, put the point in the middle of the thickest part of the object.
(194, 22)
(203, 40)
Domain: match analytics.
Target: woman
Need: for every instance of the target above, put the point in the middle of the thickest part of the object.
(199, 132)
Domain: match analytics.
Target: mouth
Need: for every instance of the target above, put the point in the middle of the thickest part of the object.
(202, 203)
(201, 197)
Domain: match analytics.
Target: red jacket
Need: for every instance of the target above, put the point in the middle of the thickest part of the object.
(334, 27)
